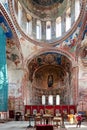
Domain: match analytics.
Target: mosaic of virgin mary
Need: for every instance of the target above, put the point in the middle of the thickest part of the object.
(50, 80)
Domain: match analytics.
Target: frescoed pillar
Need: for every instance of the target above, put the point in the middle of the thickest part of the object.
(75, 84)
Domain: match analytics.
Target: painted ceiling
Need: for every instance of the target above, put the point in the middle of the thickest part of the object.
(49, 76)
(44, 8)
(47, 2)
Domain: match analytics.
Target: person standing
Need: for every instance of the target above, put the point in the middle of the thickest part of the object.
(79, 120)
(71, 118)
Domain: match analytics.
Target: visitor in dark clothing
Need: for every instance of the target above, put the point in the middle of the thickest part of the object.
(79, 120)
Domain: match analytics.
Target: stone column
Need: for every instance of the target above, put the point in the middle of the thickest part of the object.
(75, 84)
(53, 29)
(63, 23)
(54, 99)
(34, 27)
(46, 99)
(43, 30)
(72, 12)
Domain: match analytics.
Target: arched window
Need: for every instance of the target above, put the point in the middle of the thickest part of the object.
(58, 27)
(43, 100)
(77, 9)
(38, 29)
(48, 30)
(29, 25)
(57, 99)
(50, 100)
(68, 19)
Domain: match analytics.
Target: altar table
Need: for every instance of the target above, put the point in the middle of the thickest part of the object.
(44, 127)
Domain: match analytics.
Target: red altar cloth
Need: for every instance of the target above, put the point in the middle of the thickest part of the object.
(44, 127)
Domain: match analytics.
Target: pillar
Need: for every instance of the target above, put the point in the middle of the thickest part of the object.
(72, 12)
(63, 23)
(43, 23)
(75, 84)
(53, 29)
(34, 27)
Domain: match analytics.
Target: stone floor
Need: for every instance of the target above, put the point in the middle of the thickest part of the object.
(22, 125)
(73, 127)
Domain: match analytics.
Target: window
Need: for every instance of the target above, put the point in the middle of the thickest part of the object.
(58, 27)
(29, 25)
(50, 100)
(68, 19)
(57, 99)
(38, 29)
(77, 9)
(48, 30)
(43, 100)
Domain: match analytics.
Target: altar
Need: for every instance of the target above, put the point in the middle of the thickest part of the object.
(44, 127)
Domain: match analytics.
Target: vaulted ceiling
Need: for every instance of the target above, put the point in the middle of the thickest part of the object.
(49, 63)
(44, 9)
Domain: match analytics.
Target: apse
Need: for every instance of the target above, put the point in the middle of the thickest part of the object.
(49, 74)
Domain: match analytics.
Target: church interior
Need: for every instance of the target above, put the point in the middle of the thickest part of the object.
(43, 61)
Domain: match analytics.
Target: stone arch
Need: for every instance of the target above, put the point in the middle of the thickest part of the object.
(68, 74)
(41, 51)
